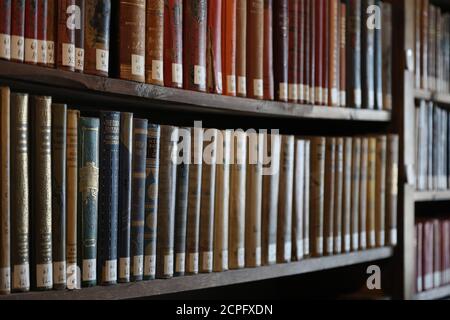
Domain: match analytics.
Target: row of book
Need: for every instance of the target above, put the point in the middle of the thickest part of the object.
(125, 200)
(432, 253)
(323, 52)
(432, 47)
(432, 130)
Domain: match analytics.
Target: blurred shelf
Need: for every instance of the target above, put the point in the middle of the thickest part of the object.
(434, 294)
(427, 196)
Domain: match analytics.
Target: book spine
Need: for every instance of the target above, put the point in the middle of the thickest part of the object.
(429, 147)
(293, 68)
(427, 263)
(268, 51)
(306, 206)
(59, 195)
(65, 56)
(367, 58)
(88, 184)
(358, 188)
(42, 23)
(363, 194)
(419, 252)
(349, 217)
(301, 50)
(5, 210)
(20, 191)
(387, 56)
(214, 47)
(154, 46)
(42, 190)
(334, 50)
(328, 219)
(424, 44)
(166, 205)
(431, 45)
(392, 189)
(307, 55)
(436, 254)
(79, 35)
(241, 47)
(229, 46)
(31, 32)
(380, 191)
(378, 62)
(140, 128)
(18, 30)
(353, 53)
(195, 42)
(281, 48)
(318, 50)
(326, 50)
(299, 194)
(338, 196)
(417, 39)
(173, 43)
(310, 44)
(51, 32)
(342, 55)
(5, 30)
(96, 37)
(255, 49)
(151, 200)
(317, 195)
(132, 40)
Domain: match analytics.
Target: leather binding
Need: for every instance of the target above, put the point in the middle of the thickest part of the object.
(166, 205)
(392, 189)
(436, 254)
(342, 55)
(173, 43)
(349, 216)
(96, 37)
(108, 196)
(72, 197)
(79, 36)
(229, 47)
(154, 42)
(378, 61)
(42, 24)
(380, 191)
(293, 70)
(237, 201)
(88, 185)
(298, 202)
(124, 220)
(18, 30)
(338, 194)
(419, 258)
(306, 205)
(181, 202)
(333, 53)
(194, 202)
(353, 53)
(427, 263)
(301, 50)
(255, 44)
(318, 145)
(363, 193)
(281, 48)
(5, 30)
(326, 50)
(214, 47)
(424, 50)
(195, 42)
(151, 200)
(318, 51)
(132, 40)
(357, 187)
(241, 47)
(284, 231)
(59, 196)
(207, 206)
(31, 32)
(51, 32)
(20, 194)
(328, 219)
(42, 274)
(272, 149)
(65, 55)
(371, 192)
(387, 56)
(5, 213)
(222, 203)
(309, 51)
(138, 175)
(254, 201)
(367, 59)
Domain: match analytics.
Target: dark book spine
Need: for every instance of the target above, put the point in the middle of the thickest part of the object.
(59, 206)
(378, 60)
(358, 192)
(281, 48)
(338, 196)
(65, 56)
(18, 30)
(31, 30)
(214, 47)
(309, 51)
(293, 70)
(138, 175)
(353, 61)
(229, 47)
(173, 43)
(108, 196)
(268, 51)
(367, 57)
(42, 24)
(380, 191)
(5, 30)
(255, 49)
(88, 183)
(241, 47)
(301, 50)
(151, 200)
(79, 35)
(387, 56)
(51, 32)
(318, 50)
(326, 35)
(154, 46)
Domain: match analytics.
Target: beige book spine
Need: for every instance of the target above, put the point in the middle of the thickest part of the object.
(328, 221)
(380, 191)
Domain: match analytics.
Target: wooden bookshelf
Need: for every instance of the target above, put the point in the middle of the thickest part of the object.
(434, 294)
(427, 196)
(205, 281)
(438, 97)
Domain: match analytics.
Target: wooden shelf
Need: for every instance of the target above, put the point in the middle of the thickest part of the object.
(150, 96)
(434, 294)
(204, 281)
(438, 97)
(428, 196)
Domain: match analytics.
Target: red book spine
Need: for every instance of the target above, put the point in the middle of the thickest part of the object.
(5, 29)
(301, 50)
(66, 36)
(281, 48)
(18, 30)
(154, 46)
(342, 55)
(268, 51)
(312, 52)
(419, 252)
(173, 43)
(42, 32)
(326, 50)
(318, 48)
(309, 53)
(229, 47)
(214, 47)
(51, 32)
(241, 47)
(31, 28)
(427, 263)
(293, 51)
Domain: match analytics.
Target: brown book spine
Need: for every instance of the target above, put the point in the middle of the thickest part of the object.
(51, 32)
(342, 55)
(436, 253)
(268, 51)
(293, 70)
(214, 47)
(328, 219)
(42, 24)
(326, 49)
(31, 32)
(79, 35)
(349, 221)
(173, 43)
(333, 53)
(281, 48)
(255, 44)
(5, 30)
(424, 44)
(18, 30)
(66, 35)
(318, 50)
(380, 191)
(301, 50)
(338, 195)
(363, 178)
(392, 189)
(371, 193)
(229, 47)
(358, 192)
(154, 46)
(241, 47)
(387, 55)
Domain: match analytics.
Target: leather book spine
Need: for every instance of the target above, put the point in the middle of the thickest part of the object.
(18, 30)
(367, 58)
(318, 50)
(419, 258)
(427, 262)
(309, 51)
(363, 194)
(392, 189)
(229, 25)
(353, 53)
(298, 202)
(241, 47)
(326, 50)
(293, 68)
(268, 79)
(255, 49)
(79, 35)
(437, 275)
(333, 53)
(154, 42)
(349, 219)
(214, 47)
(173, 43)
(357, 188)
(31, 32)
(378, 62)
(42, 23)
(338, 196)
(301, 50)
(343, 55)
(65, 56)
(281, 49)
(380, 191)
(5, 30)
(328, 219)
(387, 56)
(51, 32)
(424, 27)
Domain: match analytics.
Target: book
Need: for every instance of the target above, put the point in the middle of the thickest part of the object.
(31, 32)
(241, 47)
(154, 42)
(380, 190)
(378, 59)
(428, 255)
(229, 29)
(66, 51)
(5, 30)
(342, 55)
(281, 49)
(363, 194)
(301, 50)
(317, 55)
(293, 38)
(358, 193)
(349, 207)
(419, 258)
(298, 202)
(306, 203)
(173, 43)
(214, 47)
(367, 58)
(387, 56)
(79, 35)
(437, 275)
(353, 53)
(309, 52)
(328, 219)
(18, 30)
(268, 78)
(333, 52)
(255, 49)
(338, 196)
(424, 27)
(52, 11)
(42, 22)
(326, 50)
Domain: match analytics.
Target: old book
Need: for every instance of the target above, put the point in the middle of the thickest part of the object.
(380, 191)
(387, 55)
(363, 193)
(285, 200)
(59, 195)
(20, 194)
(437, 275)
(253, 200)
(229, 47)
(65, 55)
(343, 55)
(392, 156)
(241, 47)
(349, 216)
(151, 200)
(255, 48)
(31, 32)
(237, 201)
(207, 201)
(371, 193)
(194, 201)
(306, 203)
(181, 201)
(419, 258)
(88, 184)
(5, 30)
(42, 275)
(333, 52)
(326, 50)
(132, 40)
(378, 59)
(428, 255)
(417, 40)
(18, 30)
(124, 219)
(79, 35)
(353, 53)
(429, 146)
(301, 50)
(309, 53)
(424, 27)
(328, 219)
(318, 50)
(358, 194)
(268, 78)
(173, 43)
(96, 37)
(195, 44)
(52, 11)
(298, 202)
(338, 194)
(431, 46)
(108, 196)
(222, 202)
(367, 58)
(271, 180)
(5, 213)
(293, 38)
(42, 23)
(154, 42)
(214, 47)
(166, 202)
(138, 175)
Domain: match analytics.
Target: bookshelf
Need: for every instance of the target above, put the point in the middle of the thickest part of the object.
(434, 294)
(427, 196)
(438, 97)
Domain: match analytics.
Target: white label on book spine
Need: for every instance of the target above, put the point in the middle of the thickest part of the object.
(428, 281)
(258, 256)
(225, 259)
(272, 253)
(157, 70)
(329, 247)
(308, 95)
(168, 265)
(287, 251)
(51, 52)
(325, 96)
(231, 84)
(293, 92)
(137, 65)
(111, 271)
(73, 277)
(219, 82)
(68, 55)
(44, 275)
(437, 278)
(124, 268)
(393, 236)
(102, 60)
(355, 241)
(200, 75)
(21, 279)
(382, 237)
(42, 51)
(180, 263)
(284, 91)
(258, 87)
(193, 262)
(363, 240)
(31, 50)
(419, 284)
(318, 95)
(338, 244)
(177, 73)
(242, 86)
(371, 100)
(301, 92)
(343, 98)
(372, 238)
(319, 245)
(300, 245)
(59, 272)
(335, 96)
(358, 98)
(138, 266)
(89, 270)
(79, 56)
(207, 264)
(17, 48)
(5, 46)
(5, 279)
(380, 99)
(306, 247)
(150, 266)
(241, 257)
